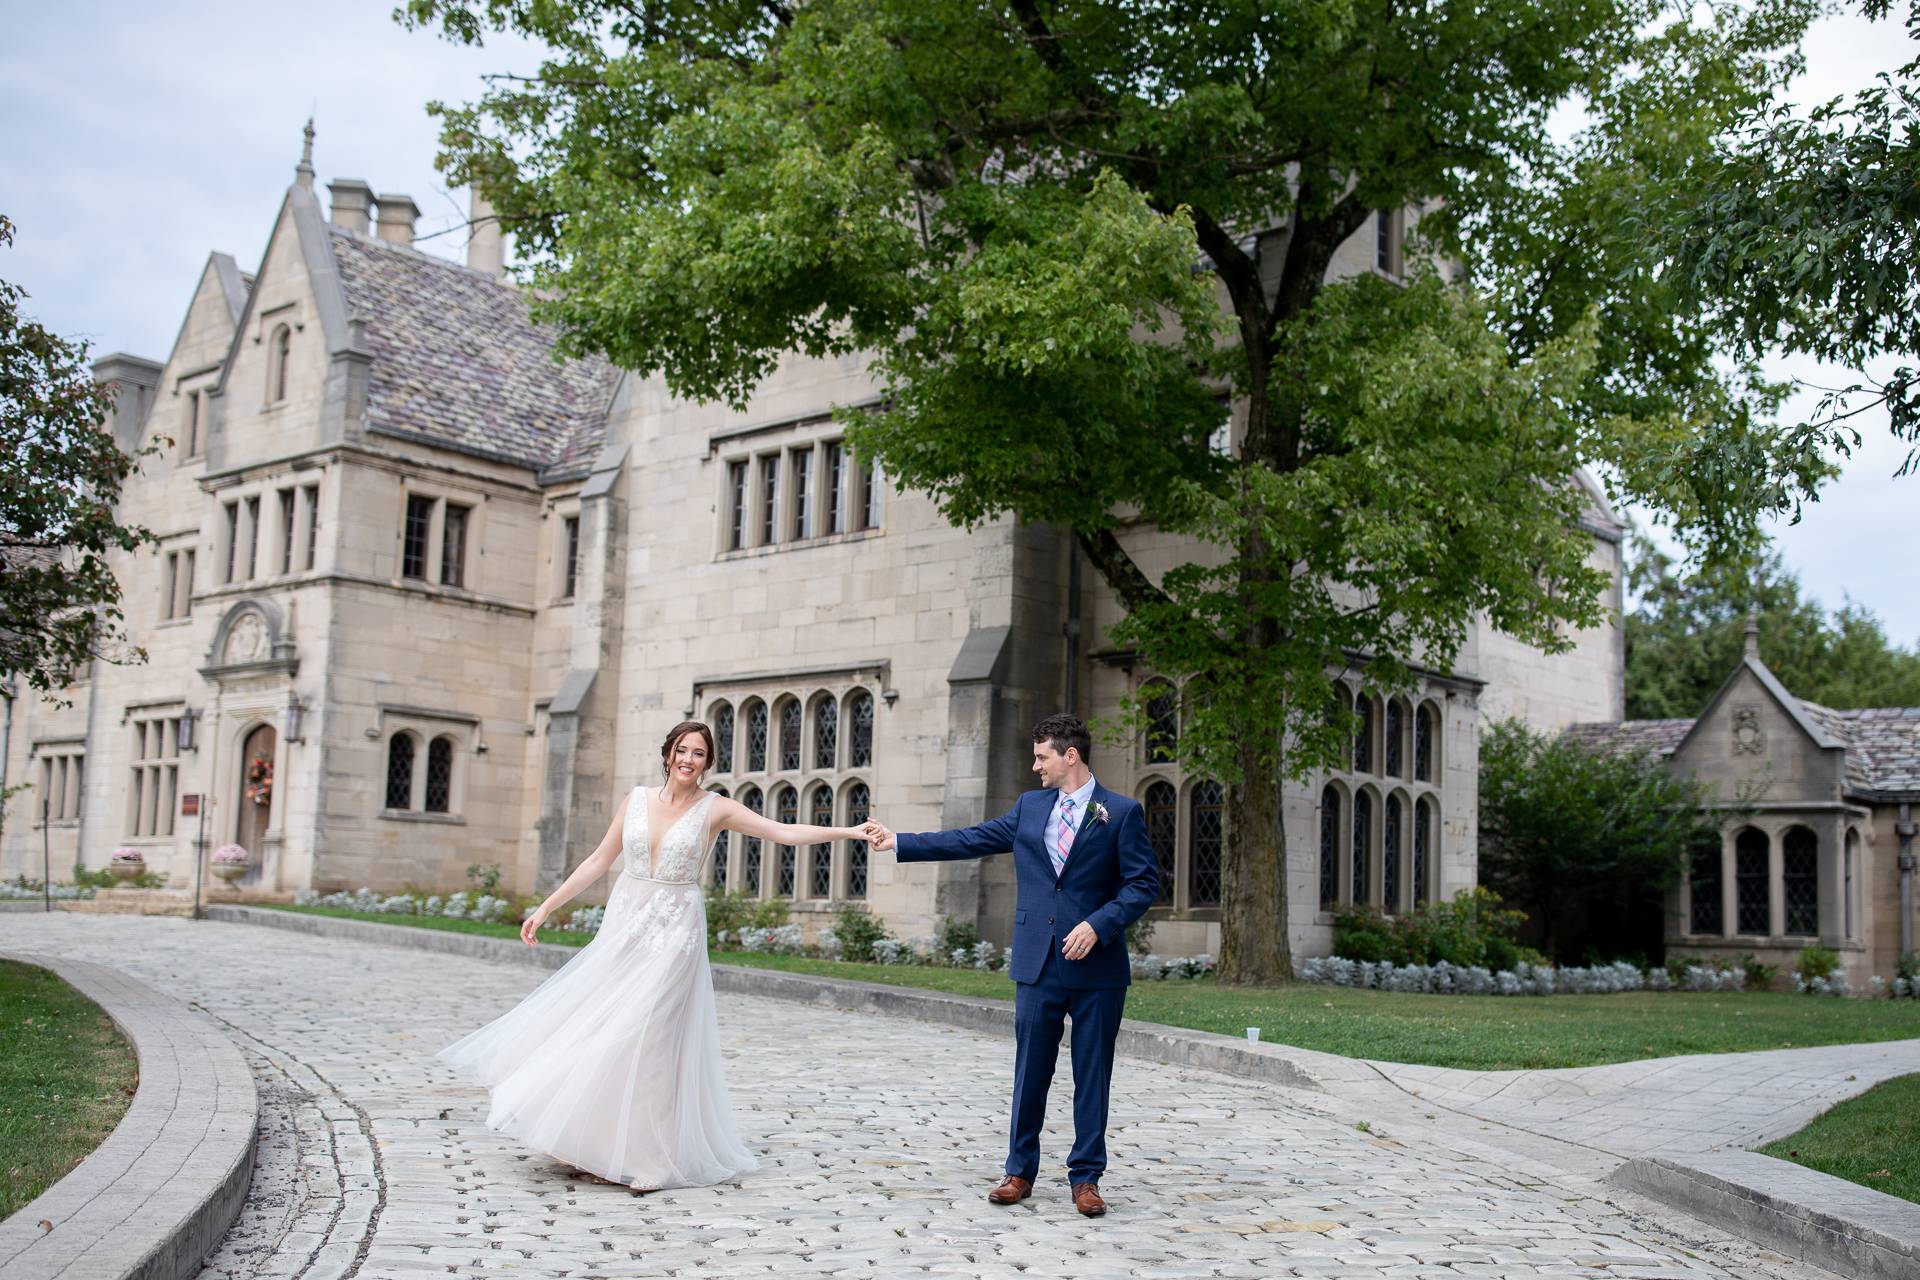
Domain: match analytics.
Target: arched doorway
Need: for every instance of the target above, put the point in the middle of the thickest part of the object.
(257, 788)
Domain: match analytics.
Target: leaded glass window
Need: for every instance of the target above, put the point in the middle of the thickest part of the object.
(1396, 726)
(859, 799)
(790, 734)
(786, 809)
(826, 733)
(1422, 833)
(723, 738)
(1706, 913)
(720, 848)
(1800, 876)
(820, 873)
(750, 845)
(439, 775)
(1163, 724)
(1205, 826)
(1329, 847)
(757, 737)
(860, 712)
(400, 771)
(1390, 853)
(1750, 882)
(1163, 832)
(1362, 832)
(1363, 737)
(1424, 730)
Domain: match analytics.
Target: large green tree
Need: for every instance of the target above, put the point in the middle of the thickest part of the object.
(1802, 234)
(59, 600)
(1068, 233)
(1686, 632)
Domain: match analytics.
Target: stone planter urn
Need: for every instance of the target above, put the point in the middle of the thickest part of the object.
(230, 862)
(127, 865)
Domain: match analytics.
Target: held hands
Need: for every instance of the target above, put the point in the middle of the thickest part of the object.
(1078, 943)
(877, 836)
(532, 924)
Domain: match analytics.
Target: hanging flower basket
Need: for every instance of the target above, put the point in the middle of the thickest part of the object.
(127, 864)
(260, 781)
(230, 862)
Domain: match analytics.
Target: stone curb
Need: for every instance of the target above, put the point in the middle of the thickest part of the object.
(154, 1199)
(1149, 1041)
(1828, 1221)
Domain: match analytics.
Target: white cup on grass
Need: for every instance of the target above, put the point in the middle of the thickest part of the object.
(1253, 1035)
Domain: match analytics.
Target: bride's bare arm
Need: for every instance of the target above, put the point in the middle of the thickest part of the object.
(731, 815)
(595, 866)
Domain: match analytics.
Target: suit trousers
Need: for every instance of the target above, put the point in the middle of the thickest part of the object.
(1040, 1009)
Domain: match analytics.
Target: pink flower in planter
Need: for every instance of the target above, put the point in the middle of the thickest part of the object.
(232, 853)
(126, 853)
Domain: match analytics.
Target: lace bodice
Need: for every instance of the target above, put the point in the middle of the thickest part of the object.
(677, 855)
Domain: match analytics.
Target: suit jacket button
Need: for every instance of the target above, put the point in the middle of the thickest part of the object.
(1049, 919)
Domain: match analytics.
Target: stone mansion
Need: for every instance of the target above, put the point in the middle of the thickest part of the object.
(425, 598)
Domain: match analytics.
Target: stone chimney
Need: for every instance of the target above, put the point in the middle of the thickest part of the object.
(397, 216)
(134, 380)
(352, 203)
(486, 243)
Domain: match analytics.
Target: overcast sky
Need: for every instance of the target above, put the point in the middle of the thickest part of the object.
(140, 137)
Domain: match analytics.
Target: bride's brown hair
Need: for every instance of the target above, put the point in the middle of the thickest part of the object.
(680, 731)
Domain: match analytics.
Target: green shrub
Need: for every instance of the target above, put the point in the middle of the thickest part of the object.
(1907, 966)
(770, 914)
(485, 878)
(1818, 962)
(1362, 933)
(858, 929)
(956, 935)
(1475, 928)
(1759, 976)
(727, 912)
(1140, 937)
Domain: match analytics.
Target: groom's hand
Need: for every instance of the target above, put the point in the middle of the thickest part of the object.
(1079, 942)
(879, 837)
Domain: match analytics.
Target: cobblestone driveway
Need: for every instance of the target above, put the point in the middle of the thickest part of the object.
(878, 1139)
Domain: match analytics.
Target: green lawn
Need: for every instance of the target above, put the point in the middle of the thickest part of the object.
(565, 937)
(1873, 1140)
(67, 1075)
(1485, 1033)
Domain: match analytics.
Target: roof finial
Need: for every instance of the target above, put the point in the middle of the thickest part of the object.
(1753, 632)
(303, 172)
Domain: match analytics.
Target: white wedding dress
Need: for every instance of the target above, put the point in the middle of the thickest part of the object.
(612, 1064)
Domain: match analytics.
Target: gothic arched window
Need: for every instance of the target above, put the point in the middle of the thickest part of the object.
(1426, 733)
(723, 738)
(1205, 827)
(439, 797)
(820, 873)
(859, 800)
(826, 732)
(789, 735)
(786, 809)
(860, 713)
(1800, 876)
(1363, 736)
(1390, 855)
(400, 771)
(1752, 908)
(720, 851)
(1329, 847)
(1422, 845)
(750, 845)
(1163, 722)
(1163, 832)
(1396, 728)
(1706, 913)
(1362, 834)
(757, 737)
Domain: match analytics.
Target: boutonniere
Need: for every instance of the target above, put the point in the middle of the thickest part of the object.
(1097, 811)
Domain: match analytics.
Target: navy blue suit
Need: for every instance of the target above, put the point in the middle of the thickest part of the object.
(1110, 880)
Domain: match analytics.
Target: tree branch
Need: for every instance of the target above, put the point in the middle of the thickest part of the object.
(1135, 589)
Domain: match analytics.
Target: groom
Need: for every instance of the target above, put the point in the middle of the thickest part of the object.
(1085, 873)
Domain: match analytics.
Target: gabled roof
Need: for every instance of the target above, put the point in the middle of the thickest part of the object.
(1624, 736)
(458, 362)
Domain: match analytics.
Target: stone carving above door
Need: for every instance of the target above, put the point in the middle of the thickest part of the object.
(251, 640)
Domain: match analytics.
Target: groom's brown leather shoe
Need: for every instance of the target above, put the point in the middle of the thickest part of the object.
(1086, 1198)
(1012, 1191)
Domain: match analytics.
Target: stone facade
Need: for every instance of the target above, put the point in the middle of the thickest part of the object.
(452, 593)
(1817, 849)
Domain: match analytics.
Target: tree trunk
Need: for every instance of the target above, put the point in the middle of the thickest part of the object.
(1253, 873)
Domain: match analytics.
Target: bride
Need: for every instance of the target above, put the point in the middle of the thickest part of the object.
(612, 1065)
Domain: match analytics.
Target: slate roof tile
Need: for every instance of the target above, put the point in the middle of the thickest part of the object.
(457, 359)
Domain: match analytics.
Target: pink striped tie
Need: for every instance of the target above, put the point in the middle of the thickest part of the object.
(1065, 841)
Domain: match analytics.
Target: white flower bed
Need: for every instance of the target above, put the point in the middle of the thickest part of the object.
(454, 906)
(60, 893)
(1452, 979)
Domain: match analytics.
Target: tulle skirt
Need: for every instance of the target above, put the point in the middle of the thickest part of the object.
(612, 1064)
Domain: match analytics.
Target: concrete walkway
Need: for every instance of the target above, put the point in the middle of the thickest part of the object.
(878, 1137)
